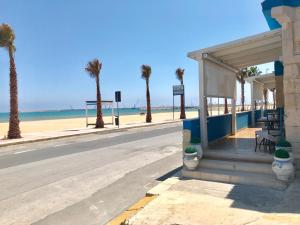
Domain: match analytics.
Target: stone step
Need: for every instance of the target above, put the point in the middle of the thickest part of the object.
(265, 168)
(255, 157)
(235, 177)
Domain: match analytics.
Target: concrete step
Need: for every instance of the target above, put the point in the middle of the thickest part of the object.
(255, 157)
(235, 177)
(264, 168)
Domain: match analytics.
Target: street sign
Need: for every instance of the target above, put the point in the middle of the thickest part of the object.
(178, 90)
(118, 96)
(117, 100)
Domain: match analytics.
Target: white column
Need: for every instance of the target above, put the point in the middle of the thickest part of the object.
(252, 104)
(203, 116)
(233, 110)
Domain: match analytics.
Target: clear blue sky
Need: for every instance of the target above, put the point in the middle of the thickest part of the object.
(55, 39)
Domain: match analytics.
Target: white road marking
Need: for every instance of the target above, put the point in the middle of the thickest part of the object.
(20, 152)
(59, 145)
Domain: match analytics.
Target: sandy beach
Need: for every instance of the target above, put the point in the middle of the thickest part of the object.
(75, 123)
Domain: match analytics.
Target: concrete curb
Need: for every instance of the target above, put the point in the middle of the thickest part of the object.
(163, 186)
(131, 211)
(150, 196)
(87, 133)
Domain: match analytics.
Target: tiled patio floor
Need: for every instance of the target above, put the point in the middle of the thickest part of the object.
(243, 142)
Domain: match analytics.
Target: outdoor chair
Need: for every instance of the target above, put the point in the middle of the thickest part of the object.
(270, 134)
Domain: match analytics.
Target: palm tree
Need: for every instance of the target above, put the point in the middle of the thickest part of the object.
(225, 106)
(244, 73)
(179, 74)
(274, 97)
(7, 38)
(206, 104)
(241, 78)
(146, 73)
(266, 97)
(93, 68)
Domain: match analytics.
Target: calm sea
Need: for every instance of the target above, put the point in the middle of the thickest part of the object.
(77, 113)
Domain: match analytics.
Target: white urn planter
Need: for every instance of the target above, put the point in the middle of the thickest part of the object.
(199, 150)
(190, 160)
(283, 168)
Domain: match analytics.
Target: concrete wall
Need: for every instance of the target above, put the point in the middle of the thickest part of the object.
(289, 19)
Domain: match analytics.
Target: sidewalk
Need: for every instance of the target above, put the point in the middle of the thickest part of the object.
(44, 136)
(192, 202)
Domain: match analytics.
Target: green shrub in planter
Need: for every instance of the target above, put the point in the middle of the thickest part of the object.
(190, 150)
(283, 143)
(282, 154)
(195, 141)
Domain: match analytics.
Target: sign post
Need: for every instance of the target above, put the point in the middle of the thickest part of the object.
(117, 100)
(177, 90)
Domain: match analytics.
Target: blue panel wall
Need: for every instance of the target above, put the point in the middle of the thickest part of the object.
(194, 126)
(257, 115)
(243, 120)
(218, 126)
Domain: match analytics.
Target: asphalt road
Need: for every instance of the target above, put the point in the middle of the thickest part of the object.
(85, 180)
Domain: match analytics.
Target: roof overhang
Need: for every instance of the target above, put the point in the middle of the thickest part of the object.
(267, 80)
(250, 51)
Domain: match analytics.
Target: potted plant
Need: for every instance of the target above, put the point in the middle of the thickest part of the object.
(284, 144)
(196, 143)
(282, 165)
(190, 158)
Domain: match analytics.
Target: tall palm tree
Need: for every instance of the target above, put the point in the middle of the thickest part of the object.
(206, 104)
(7, 38)
(226, 111)
(244, 73)
(274, 97)
(266, 97)
(241, 78)
(146, 73)
(93, 68)
(179, 74)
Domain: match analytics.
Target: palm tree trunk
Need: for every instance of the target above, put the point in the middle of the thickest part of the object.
(274, 100)
(266, 98)
(99, 120)
(243, 93)
(182, 106)
(148, 116)
(225, 106)
(14, 129)
(206, 105)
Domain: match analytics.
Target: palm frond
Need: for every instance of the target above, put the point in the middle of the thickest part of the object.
(7, 36)
(93, 68)
(179, 73)
(253, 71)
(146, 71)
